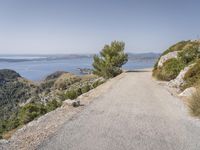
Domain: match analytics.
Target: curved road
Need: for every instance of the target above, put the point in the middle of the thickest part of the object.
(135, 114)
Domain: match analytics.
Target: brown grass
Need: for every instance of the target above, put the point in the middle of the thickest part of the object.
(7, 135)
(194, 104)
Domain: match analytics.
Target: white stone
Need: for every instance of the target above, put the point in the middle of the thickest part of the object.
(188, 92)
(74, 103)
(166, 57)
(3, 141)
(179, 80)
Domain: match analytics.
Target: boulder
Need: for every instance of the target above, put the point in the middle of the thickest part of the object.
(74, 103)
(166, 57)
(179, 80)
(188, 92)
(3, 141)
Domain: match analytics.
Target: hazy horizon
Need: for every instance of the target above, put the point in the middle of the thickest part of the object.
(78, 27)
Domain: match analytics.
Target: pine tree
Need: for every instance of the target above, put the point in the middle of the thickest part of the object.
(108, 64)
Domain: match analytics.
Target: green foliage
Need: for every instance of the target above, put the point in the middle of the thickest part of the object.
(31, 111)
(15, 90)
(176, 47)
(52, 105)
(190, 53)
(97, 83)
(65, 83)
(192, 77)
(194, 104)
(85, 89)
(46, 85)
(9, 124)
(169, 71)
(28, 113)
(6, 74)
(72, 94)
(110, 61)
(12, 92)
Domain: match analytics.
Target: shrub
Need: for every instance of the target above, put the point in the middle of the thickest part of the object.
(194, 104)
(190, 53)
(176, 47)
(52, 105)
(30, 111)
(110, 61)
(72, 94)
(85, 89)
(169, 71)
(97, 83)
(192, 77)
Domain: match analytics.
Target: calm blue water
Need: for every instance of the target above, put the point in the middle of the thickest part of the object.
(37, 68)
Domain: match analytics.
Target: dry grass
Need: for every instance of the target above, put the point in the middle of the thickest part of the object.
(7, 135)
(170, 70)
(194, 104)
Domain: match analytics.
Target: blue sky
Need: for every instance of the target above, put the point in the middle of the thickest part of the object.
(84, 26)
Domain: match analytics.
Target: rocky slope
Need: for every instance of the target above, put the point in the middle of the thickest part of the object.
(14, 91)
(22, 100)
(180, 66)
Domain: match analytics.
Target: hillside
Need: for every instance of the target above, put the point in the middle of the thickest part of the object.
(180, 66)
(175, 59)
(130, 111)
(22, 100)
(14, 90)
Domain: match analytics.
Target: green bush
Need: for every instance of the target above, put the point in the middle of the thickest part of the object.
(26, 114)
(71, 94)
(97, 83)
(110, 61)
(176, 47)
(52, 105)
(169, 71)
(31, 111)
(85, 89)
(192, 77)
(190, 53)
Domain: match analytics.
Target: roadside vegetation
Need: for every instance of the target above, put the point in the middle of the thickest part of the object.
(23, 101)
(188, 55)
(48, 97)
(108, 64)
(194, 104)
(192, 77)
(169, 71)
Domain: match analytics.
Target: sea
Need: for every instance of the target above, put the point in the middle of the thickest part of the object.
(37, 67)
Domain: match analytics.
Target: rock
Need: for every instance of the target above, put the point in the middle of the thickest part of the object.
(179, 80)
(74, 103)
(3, 141)
(188, 92)
(166, 57)
(85, 70)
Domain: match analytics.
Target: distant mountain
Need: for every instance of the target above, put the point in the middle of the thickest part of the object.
(143, 56)
(22, 58)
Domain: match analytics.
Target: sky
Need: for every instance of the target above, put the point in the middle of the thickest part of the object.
(85, 26)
